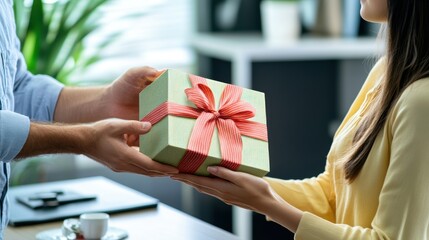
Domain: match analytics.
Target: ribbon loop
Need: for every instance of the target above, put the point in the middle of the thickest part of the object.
(202, 97)
(230, 94)
(238, 111)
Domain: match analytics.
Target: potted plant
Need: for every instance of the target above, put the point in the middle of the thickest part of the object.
(51, 35)
(280, 21)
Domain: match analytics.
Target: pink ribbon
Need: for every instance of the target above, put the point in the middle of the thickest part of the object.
(231, 120)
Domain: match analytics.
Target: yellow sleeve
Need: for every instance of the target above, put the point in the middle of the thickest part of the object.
(313, 195)
(403, 210)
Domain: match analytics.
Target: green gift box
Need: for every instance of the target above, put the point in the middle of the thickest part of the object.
(167, 142)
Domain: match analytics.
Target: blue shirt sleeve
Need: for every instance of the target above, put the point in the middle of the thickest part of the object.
(14, 129)
(35, 95)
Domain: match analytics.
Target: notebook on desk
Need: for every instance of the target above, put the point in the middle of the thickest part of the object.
(108, 197)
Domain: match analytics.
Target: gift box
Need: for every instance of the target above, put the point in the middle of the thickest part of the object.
(198, 122)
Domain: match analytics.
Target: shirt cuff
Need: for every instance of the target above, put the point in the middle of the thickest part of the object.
(14, 130)
(38, 98)
(314, 227)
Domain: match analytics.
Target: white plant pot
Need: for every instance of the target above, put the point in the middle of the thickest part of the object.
(280, 22)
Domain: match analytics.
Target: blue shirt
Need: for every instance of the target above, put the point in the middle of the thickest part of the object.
(23, 96)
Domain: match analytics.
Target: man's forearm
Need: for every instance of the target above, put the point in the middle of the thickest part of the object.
(79, 105)
(54, 138)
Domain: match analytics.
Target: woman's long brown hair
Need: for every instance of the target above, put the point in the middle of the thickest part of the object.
(407, 60)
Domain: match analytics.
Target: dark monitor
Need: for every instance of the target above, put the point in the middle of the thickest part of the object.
(229, 15)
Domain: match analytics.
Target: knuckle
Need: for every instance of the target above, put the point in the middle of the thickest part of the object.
(146, 68)
(110, 124)
(265, 184)
(132, 70)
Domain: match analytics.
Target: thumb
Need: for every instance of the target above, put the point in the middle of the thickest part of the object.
(134, 127)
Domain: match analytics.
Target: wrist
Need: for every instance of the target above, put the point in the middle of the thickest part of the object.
(270, 203)
(80, 138)
(280, 211)
(104, 102)
(56, 138)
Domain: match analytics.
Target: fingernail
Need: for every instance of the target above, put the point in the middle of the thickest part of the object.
(212, 170)
(146, 125)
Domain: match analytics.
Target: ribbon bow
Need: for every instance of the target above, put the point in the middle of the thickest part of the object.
(231, 120)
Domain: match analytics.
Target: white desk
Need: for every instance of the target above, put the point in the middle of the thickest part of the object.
(244, 49)
(162, 222)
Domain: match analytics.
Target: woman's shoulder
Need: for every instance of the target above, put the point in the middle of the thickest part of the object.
(417, 94)
(413, 104)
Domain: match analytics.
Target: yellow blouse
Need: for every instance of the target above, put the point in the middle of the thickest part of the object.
(390, 197)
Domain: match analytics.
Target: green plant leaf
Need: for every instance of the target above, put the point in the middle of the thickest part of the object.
(52, 35)
(35, 31)
(82, 26)
(21, 19)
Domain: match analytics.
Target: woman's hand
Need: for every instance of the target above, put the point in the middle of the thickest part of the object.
(247, 191)
(235, 188)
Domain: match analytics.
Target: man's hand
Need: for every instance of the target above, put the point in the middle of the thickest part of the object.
(107, 142)
(122, 96)
(110, 146)
(117, 100)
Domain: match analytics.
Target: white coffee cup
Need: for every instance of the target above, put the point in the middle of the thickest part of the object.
(94, 225)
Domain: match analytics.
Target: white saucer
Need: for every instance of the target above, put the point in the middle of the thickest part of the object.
(56, 234)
